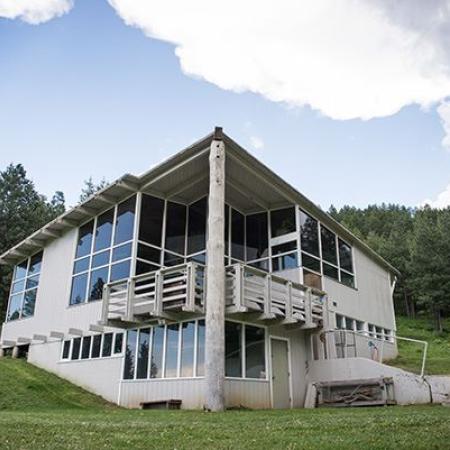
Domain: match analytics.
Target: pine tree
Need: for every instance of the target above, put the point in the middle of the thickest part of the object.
(90, 188)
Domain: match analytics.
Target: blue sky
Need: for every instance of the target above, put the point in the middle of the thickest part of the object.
(86, 95)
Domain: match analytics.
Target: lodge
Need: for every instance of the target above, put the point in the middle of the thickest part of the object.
(207, 279)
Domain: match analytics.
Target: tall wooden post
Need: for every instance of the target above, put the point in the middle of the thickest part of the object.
(215, 279)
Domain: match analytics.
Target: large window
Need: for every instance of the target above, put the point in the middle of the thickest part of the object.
(257, 237)
(282, 221)
(166, 351)
(22, 299)
(103, 252)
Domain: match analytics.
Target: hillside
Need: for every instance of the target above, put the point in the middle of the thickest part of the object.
(25, 387)
(410, 354)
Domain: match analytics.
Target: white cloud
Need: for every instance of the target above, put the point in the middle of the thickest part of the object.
(442, 200)
(256, 142)
(34, 11)
(346, 59)
(444, 113)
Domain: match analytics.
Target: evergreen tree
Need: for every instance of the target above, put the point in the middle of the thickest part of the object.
(90, 188)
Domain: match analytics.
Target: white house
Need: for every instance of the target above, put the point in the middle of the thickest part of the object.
(207, 279)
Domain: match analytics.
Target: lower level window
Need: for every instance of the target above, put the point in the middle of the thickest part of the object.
(93, 346)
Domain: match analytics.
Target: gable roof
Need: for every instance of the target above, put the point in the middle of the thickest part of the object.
(128, 183)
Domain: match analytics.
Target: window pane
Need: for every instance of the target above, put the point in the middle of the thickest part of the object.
(149, 253)
(21, 270)
(175, 227)
(122, 252)
(200, 258)
(347, 279)
(81, 265)
(330, 271)
(78, 294)
(345, 256)
(172, 260)
(282, 221)
(125, 221)
(143, 347)
(98, 279)
(309, 234)
(285, 262)
(86, 348)
(339, 322)
(66, 350)
(310, 262)
(15, 304)
(118, 342)
(197, 226)
(76, 347)
(257, 238)
(233, 361)
(157, 352)
(100, 259)
(29, 303)
(130, 355)
(172, 350)
(152, 211)
(312, 279)
(348, 323)
(255, 354)
(35, 264)
(17, 287)
(142, 267)
(284, 248)
(237, 235)
(263, 265)
(201, 348)
(32, 282)
(120, 271)
(85, 239)
(328, 240)
(96, 346)
(103, 231)
(187, 349)
(107, 344)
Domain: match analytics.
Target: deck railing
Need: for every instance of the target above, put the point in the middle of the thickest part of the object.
(254, 290)
(181, 289)
(155, 294)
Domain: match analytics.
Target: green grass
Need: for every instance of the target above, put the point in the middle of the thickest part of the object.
(410, 354)
(41, 411)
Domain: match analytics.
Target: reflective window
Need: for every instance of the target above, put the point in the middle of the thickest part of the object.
(120, 270)
(86, 347)
(172, 260)
(121, 252)
(15, 305)
(142, 267)
(309, 234)
(100, 259)
(118, 343)
(345, 256)
(175, 227)
(78, 294)
(157, 352)
(81, 265)
(233, 356)
(98, 279)
(125, 221)
(237, 235)
(130, 355)
(347, 279)
(285, 262)
(255, 353)
(330, 271)
(103, 232)
(171, 351)
(201, 348)
(35, 264)
(150, 254)
(29, 303)
(197, 226)
(107, 344)
(328, 241)
(282, 221)
(66, 350)
(187, 349)
(143, 350)
(85, 239)
(152, 211)
(21, 270)
(257, 236)
(76, 347)
(310, 262)
(96, 345)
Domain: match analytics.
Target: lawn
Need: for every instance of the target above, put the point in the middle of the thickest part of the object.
(410, 354)
(41, 411)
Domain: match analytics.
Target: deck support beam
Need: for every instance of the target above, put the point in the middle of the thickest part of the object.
(15, 352)
(215, 279)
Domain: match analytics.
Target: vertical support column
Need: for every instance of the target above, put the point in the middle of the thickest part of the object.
(2, 352)
(215, 279)
(15, 352)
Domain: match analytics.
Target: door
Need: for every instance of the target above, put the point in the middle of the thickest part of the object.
(281, 391)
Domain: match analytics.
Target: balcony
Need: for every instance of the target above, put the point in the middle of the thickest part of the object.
(178, 292)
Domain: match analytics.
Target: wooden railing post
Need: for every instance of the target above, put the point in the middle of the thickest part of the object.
(191, 273)
(105, 303)
(308, 307)
(267, 295)
(158, 293)
(129, 299)
(289, 313)
(239, 283)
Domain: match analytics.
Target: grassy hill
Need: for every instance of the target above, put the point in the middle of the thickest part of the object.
(40, 411)
(410, 354)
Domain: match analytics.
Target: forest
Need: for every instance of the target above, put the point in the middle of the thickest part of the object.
(414, 240)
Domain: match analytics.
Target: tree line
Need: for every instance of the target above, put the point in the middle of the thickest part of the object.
(417, 242)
